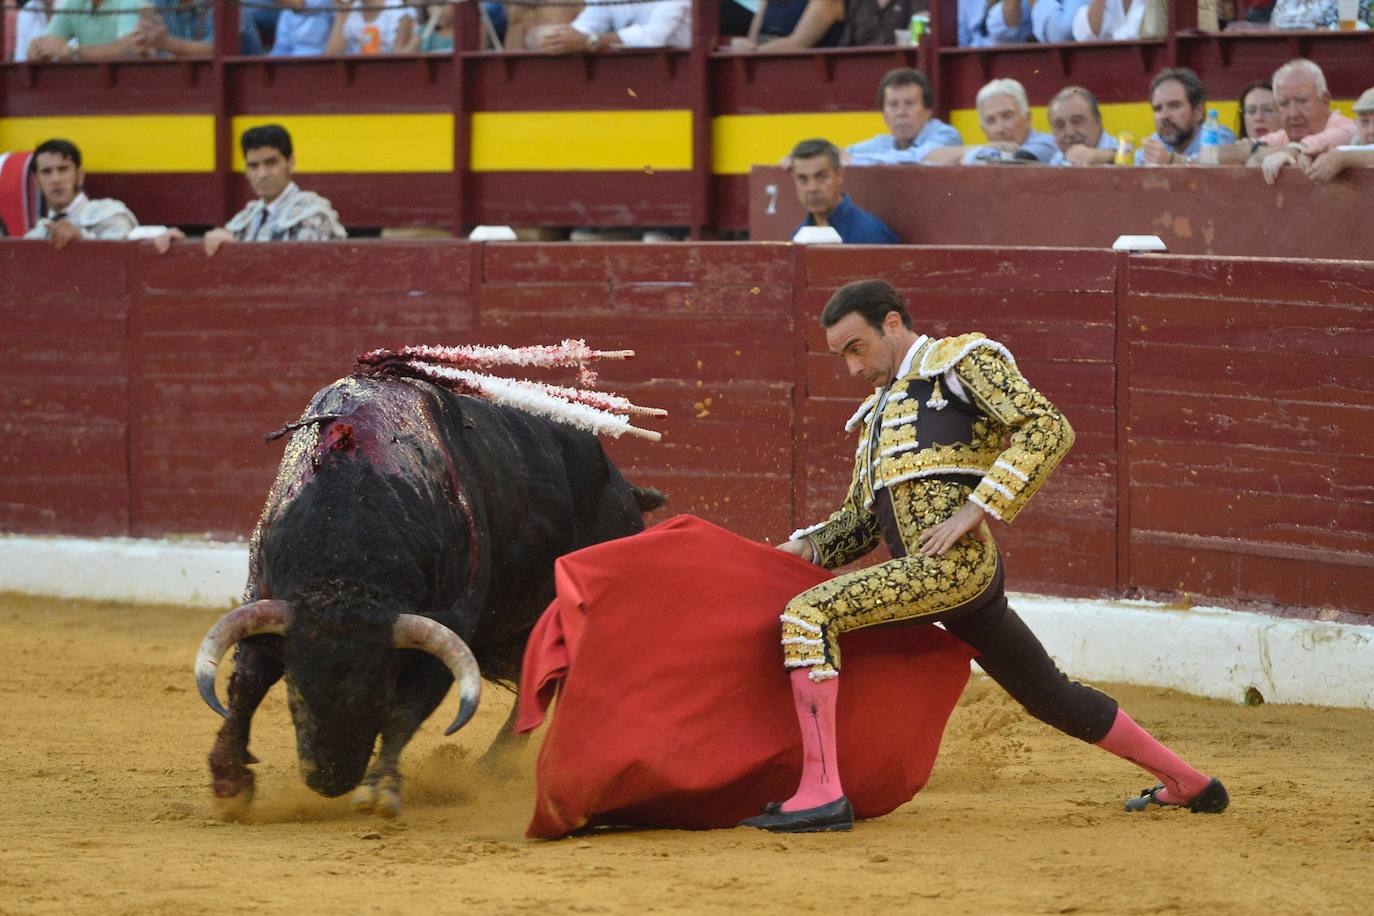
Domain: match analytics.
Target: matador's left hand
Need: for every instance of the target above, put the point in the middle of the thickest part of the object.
(968, 520)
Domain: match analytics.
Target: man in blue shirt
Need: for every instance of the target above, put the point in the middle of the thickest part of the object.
(986, 23)
(1179, 102)
(1077, 124)
(1052, 20)
(185, 28)
(819, 180)
(1004, 115)
(303, 27)
(905, 98)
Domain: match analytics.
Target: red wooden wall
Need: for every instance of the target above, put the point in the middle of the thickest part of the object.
(1224, 406)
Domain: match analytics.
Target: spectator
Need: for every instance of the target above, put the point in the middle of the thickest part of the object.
(1052, 20)
(303, 28)
(30, 23)
(1359, 155)
(793, 25)
(983, 23)
(69, 213)
(90, 30)
(1076, 122)
(1310, 126)
(1311, 14)
(186, 28)
(282, 212)
(372, 27)
(437, 35)
(1257, 113)
(1004, 115)
(819, 179)
(1109, 20)
(1179, 102)
(658, 24)
(876, 22)
(526, 25)
(905, 98)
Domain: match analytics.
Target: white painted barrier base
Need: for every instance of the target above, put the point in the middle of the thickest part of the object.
(1211, 652)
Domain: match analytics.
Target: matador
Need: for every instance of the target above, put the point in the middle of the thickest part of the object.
(951, 435)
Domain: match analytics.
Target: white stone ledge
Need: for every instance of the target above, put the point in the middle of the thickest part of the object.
(1210, 652)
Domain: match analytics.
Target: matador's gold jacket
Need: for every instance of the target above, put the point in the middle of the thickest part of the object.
(962, 412)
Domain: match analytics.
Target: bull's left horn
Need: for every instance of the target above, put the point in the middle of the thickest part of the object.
(249, 620)
(415, 632)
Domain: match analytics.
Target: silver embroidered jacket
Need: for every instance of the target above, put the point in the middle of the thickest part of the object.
(106, 219)
(302, 216)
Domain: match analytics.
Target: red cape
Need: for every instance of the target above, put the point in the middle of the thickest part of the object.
(674, 709)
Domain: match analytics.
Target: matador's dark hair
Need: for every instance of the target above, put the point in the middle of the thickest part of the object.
(872, 299)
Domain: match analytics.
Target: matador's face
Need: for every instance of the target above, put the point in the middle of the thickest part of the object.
(871, 353)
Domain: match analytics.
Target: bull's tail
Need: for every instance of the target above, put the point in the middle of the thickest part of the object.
(648, 498)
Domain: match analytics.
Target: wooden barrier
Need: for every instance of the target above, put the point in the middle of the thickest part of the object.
(1226, 211)
(1224, 407)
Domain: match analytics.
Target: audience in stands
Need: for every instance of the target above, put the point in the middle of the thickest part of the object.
(436, 37)
(1109, 20)
(1310, 126)
(1257, 114)
(1179, 102)
(281, 212)
(1004, 115)
(819, 179)
(1076, 122)
(1311, 14)
(186, 28)
(68, 213)
(875, 22)
(1052, 20)
(1357, 155)
(794, 25)
(983, 23)
(526, 25)
(905, 98)
(303, 28)
(30, 22)
(90, 30)
(659, 24)
(372, 27)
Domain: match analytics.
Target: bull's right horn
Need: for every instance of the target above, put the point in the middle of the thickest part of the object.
(254, 619)
(415, 632)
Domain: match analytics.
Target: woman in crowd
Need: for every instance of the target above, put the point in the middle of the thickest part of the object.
(1257, 113)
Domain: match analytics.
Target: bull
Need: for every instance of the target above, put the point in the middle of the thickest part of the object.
(407, 542)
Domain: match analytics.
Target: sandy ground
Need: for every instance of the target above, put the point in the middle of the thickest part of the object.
(107, 810)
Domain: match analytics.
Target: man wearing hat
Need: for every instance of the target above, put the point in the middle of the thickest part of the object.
(1359, 154)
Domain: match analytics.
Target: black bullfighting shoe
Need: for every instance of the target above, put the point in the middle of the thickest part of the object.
(838, 815)
(1211, 800)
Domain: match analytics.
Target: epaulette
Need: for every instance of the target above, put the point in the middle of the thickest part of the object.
(302, 206)
(98, 211)
(243, 218)
(944, 354)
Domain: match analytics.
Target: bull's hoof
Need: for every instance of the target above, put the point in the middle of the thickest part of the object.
(234, 807)
(364, 799)
(388, 803)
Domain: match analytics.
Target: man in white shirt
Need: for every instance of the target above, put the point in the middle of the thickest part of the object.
(69, 214)
(282, 212)
(661, 24)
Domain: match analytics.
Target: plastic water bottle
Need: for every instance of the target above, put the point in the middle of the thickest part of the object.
(1211, 139)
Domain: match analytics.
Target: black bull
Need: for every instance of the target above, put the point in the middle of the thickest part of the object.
(397, 506)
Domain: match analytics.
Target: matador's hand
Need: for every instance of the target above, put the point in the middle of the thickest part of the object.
(935, 541)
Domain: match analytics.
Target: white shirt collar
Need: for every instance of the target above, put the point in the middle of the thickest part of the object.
(73, 208)
(910, 356)
(275, 206)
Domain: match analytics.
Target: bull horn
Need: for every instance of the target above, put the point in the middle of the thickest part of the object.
(253, 619)
(415, 632)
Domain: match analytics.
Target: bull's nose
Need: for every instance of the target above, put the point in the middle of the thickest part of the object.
(329, 781)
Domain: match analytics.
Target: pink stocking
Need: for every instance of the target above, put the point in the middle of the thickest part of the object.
(820, 779)
(1131, 742)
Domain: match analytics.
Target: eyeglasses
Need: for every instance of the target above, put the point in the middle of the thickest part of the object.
(1261, 109)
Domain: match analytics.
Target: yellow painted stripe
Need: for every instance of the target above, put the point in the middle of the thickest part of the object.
(123, 143)
(362, 142)
(581, 141)
(741, 141)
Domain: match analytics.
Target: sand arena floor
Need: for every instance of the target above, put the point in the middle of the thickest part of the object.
(108, 811)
